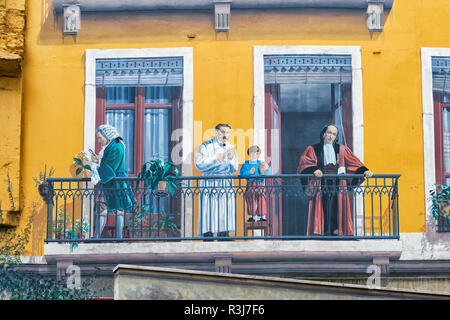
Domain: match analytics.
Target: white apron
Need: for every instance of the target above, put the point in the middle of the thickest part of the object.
(217, 197)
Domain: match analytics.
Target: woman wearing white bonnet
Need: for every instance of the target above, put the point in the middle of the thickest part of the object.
(111, 164)
(108, 131)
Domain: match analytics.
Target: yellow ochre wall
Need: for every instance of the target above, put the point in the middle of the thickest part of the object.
(54, 75)
(12, 34)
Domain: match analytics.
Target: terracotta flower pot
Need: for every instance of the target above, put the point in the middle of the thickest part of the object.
(162, 185)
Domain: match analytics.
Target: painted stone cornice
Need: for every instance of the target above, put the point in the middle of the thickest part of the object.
(222, 8)
(119, 5)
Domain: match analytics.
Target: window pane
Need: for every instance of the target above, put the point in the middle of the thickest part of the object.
(118, 95)
(315, 90)
(157, 94)
(305, 110)
(157, 129)
(123, 120)
(446, 97)
(446, 138)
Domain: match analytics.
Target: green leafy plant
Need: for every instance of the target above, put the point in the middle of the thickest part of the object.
(16, 283)
(167, 221)
(72, 235)
(78, 232)
(13, 240)
(43, 176)
(81, 229)
(440, 201)
(150, 220)
(80, 161)
(157, 170)
(62, 225)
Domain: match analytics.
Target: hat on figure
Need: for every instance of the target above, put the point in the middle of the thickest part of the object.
(108, 131)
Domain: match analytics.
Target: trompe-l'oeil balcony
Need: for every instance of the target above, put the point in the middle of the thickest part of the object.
(206, 208)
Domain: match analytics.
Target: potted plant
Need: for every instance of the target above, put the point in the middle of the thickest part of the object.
(81, 230)
(159, 175)
(165, 224)
(440, 202)
(72, 235)
(80, 161)
(155, 224)
(42, 184)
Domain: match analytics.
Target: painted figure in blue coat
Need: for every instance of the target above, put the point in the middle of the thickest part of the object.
(217, 157)
(255, 197)
(109, 164)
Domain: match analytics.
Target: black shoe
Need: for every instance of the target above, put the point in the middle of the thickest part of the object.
(224, 234)
(208, 235)
(251, 219)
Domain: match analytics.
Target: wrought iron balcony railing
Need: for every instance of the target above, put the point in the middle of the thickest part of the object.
(443, 224)
(226, 208)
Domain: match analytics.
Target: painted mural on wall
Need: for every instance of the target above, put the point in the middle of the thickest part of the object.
(131, 182)
(139, 107)
(144, 98)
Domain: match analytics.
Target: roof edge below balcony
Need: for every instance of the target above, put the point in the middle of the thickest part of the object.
(144, 5)
(148, 282)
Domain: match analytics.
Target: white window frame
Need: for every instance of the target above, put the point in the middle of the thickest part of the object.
(259, 137)
(429, 161)
(188, 91)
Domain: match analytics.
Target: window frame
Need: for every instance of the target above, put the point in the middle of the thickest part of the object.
(259, 94)
(139, 106)
(429, 127)
(90, 106)
(259, 118)
(441, 174)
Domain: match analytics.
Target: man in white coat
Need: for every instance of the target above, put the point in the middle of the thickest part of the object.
(217, 157)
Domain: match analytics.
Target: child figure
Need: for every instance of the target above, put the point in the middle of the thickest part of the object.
(255, 197)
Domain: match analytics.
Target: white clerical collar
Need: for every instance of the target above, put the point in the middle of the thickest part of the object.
(329, 156)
